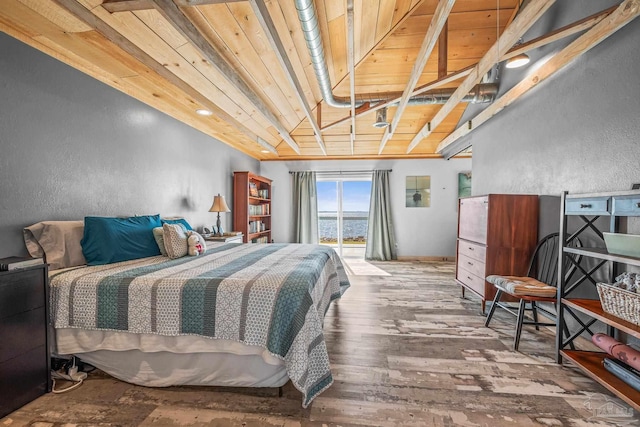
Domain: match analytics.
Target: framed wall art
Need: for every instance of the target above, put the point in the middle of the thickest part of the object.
(464, 184)
(418, 191)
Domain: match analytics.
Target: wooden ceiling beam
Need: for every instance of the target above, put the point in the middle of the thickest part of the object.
(351, 71)
(560, 33)
(180, 22)
(264, 144)
(114, 6)
(132, 5)
(86, 16)
(184, 3)
(525, 19)
(443, 50)
(438, 21)
(616, 19)
(262, 13)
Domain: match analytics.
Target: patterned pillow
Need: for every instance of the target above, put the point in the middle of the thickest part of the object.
(158, 234)
(175, 240)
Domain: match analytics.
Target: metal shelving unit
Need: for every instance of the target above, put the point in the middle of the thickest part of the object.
(588, 208)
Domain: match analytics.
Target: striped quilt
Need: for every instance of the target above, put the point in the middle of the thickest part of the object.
(269, 295)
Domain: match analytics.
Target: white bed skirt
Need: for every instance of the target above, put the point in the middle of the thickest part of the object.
(158, 361)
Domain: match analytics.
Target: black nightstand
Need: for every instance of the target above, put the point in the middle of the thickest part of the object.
(25, 365)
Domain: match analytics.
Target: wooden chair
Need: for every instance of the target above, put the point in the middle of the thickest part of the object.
(538, 286)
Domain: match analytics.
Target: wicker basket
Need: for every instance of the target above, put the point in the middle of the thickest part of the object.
(620, 302)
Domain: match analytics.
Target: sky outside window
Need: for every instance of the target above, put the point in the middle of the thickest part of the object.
(356, 196)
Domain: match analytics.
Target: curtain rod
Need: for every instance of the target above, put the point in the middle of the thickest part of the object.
(344, 172)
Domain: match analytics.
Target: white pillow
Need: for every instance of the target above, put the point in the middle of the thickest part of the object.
(175, 240)
(57, 241)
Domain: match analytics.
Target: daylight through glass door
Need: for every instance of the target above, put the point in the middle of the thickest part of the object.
(343, 214)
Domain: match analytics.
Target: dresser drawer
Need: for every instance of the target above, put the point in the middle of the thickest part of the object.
(472, 250)
(473, 266)
(21, 291)
(22, 332)
(471, 281)
(474, 213)
(588, 206)
(626, 206)
(23, 379)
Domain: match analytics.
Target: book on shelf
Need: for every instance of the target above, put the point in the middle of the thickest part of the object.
(232, 233)
(264, 239)
(15, 262)
(253, 189)
(623, 371)
(259, 209)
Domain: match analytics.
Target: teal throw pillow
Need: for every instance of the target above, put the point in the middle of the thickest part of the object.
(182, 221)
(107, 240)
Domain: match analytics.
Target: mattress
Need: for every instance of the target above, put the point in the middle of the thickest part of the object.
(157, 361)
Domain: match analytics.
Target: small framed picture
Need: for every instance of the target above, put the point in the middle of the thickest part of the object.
(253, 189)
(418, 191)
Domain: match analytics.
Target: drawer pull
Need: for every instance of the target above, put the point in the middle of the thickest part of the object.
(469, 278)
(638, 205)
(585, 205)
(472, 249)
(469, 262)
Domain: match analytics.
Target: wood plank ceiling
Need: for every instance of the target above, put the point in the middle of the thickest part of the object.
(182, 55)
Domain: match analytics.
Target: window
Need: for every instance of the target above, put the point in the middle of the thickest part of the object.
(343, 213)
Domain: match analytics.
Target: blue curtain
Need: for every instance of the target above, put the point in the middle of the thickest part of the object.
(381, 241)
(305, 207)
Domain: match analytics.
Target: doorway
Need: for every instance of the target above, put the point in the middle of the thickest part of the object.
(343, 214)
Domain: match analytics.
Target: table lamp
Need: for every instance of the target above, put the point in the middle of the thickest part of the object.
(219, 205)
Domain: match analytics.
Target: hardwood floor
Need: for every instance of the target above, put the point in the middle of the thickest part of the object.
(405, 349)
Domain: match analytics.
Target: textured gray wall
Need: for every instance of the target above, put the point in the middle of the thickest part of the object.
(71, 146)
(578, 131)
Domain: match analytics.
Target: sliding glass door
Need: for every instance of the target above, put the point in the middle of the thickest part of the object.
(343, 214)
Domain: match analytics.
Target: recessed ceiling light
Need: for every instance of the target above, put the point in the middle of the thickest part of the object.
(264, 151)
(518, 61)
(381, 118)
(203, 112)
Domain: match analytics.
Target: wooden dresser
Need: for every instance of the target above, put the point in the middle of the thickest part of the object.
(497, 234)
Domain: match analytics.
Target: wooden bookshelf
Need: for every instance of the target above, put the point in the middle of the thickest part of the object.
(252, 207)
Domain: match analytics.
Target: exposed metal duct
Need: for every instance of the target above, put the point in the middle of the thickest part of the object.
(485, 92)
(311, 30)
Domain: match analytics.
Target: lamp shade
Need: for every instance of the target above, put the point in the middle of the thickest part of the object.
(219, 204)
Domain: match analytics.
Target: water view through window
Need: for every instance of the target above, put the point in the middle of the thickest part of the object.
(343, 213)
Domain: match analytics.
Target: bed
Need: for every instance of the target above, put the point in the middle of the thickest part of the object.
(245, 315)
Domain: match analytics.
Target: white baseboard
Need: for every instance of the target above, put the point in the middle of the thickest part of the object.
(427, 258)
